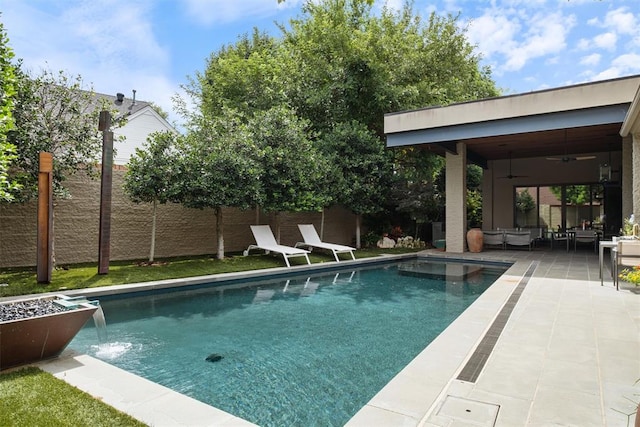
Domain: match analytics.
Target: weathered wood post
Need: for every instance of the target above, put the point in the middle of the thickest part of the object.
(104, 239)
(45, 218)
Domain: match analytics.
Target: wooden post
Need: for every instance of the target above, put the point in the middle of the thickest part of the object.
(45, 218)
(104, 239)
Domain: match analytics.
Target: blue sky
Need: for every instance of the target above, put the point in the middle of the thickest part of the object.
(153, 45)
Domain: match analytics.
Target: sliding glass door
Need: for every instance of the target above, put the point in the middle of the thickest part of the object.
(560, 206)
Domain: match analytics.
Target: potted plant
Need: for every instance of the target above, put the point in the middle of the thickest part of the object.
(40, 328)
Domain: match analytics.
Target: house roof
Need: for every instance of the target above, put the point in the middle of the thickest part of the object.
(127, 106)
(577, 119)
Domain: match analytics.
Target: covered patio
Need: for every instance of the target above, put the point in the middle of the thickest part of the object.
(576, 139)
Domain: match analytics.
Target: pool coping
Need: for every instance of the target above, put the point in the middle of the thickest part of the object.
(406, 400)
(412, 394)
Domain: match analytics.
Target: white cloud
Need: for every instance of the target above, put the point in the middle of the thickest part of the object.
(493, 34)
(546, 35)
(519, 37)
(208, 12)
(110, 44)
(590, 60)
(605, 41)
(621, 21)
(623, 65)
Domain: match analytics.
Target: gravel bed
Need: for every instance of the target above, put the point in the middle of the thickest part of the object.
(25, 309)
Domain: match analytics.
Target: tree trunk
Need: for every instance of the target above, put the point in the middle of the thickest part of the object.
(219, 233)
(358, 218)
(276, 217)
(153, 231)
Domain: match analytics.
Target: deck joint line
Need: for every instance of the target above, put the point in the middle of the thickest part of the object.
(478, 359)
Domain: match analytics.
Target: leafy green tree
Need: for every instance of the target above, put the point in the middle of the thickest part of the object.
(524, 201)
(363, 166)
(355, 64)
(294, 170)
(151, 174)
(247, 77)
(575, 194)
(54, 114)
(415, 190)
(340, 62)
(218, 166)
(7, 94)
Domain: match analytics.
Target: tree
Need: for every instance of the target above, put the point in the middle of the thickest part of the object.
(341, 62)
(524, 201)
(352, 64)
(218, 166)
(54, 114)
(363, 169)
(150, 175)
(7, 94)
(294, 170)
(247, 77)
(415, 185)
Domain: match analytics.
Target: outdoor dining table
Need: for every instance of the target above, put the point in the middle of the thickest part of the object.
(602, 245)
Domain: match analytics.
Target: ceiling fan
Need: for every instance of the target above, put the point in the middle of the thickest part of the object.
(566, 158)
(511, 175)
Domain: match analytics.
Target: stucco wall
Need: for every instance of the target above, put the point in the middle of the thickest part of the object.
(180, 231)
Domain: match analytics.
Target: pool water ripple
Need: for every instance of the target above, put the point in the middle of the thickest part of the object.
(301, 352)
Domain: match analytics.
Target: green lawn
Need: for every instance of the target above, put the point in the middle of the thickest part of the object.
(22, 281)
(31, 397)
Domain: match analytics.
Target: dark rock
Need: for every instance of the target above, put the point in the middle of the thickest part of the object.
(26, 309)
(213, 357)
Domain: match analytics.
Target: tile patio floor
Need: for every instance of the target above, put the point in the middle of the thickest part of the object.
(568, 355)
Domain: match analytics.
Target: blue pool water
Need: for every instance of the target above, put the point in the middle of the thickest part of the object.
(300, 352)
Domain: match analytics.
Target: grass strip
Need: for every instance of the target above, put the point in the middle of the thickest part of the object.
(32, 397)
(22, 281)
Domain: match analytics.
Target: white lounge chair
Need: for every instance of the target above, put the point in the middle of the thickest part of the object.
(267, 242)
(312, 240)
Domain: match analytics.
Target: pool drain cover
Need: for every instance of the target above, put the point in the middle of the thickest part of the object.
(470, 411)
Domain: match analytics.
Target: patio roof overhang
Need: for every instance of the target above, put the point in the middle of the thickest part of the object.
(578, 119)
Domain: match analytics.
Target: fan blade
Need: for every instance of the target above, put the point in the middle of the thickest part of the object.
(513, 176)
(558, 159)
(585, 157)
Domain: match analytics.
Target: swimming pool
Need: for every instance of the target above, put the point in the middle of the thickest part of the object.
(301, 351)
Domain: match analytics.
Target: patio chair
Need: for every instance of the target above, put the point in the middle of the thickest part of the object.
(626, 254)
(557, 237)
(585, 236)
(267, 242)
(493, 238)
(518, 238)
(312, 240)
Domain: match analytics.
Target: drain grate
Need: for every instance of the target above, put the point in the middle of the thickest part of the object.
(479, 358)
(471, 412)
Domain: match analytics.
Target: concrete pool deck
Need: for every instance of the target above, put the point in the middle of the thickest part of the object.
(567, 354)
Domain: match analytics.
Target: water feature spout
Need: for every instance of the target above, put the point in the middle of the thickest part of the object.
(101, 325)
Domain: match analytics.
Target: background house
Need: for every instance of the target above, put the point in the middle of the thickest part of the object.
(142, 121)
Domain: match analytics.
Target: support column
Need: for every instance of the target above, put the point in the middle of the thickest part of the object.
(45, 218)
(104, 236)
(626, 176)
(635, 184)
(456, 202)
(488, 185)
